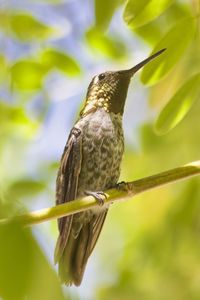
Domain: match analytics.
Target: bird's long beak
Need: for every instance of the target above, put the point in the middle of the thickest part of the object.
(132, 71)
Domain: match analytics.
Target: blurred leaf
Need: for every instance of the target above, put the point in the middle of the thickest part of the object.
(176, 43)
(52, 58)
(16, 262)
(138, 13)
(8, 209)
(154, 30)
(25, 272)
(3, 68)
(12, 114)
(177, 11)
(150, 32)
(4, 21)
(45, 282)
(54, 165)
(25, 188)
(179, 105)
(104, 10)
(150, 142)
(105, 45)
(27, 28)
(15, 121)
(27, 75)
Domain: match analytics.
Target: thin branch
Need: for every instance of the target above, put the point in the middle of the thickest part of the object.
(124, 192)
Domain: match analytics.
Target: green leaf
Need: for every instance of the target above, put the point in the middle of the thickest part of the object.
(150, 32)
(176, 40)
(12, 113)
(3, 68)
(153, 31)
(179, 105)
(25, 272)
(14, 121)
(15, 261)
(104, 10)
(138, 13)
(105, 45)
(26, 27)
(27, 75)
(52, 58)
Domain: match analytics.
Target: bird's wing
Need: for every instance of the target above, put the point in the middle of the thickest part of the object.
(72, 252)
(97, 225)
(67, 183)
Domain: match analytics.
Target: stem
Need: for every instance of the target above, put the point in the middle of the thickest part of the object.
(125, 191)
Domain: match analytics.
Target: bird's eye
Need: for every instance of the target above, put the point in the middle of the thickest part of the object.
(101, 76)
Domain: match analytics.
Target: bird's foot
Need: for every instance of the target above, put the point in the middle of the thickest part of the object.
(123, 186)
(98, 195)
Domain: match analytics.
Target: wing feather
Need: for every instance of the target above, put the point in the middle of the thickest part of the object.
(72, 251)
(67, 184)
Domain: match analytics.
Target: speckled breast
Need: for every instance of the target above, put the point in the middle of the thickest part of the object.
(102, 150)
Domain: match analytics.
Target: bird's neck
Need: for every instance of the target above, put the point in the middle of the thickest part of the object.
(92, 104)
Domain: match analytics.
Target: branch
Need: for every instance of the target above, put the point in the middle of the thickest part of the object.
(124, 192)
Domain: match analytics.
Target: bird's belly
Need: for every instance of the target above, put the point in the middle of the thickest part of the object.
(101, 168)
(101, 164)
(102, 150)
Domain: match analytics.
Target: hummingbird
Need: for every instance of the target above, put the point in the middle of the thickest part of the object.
(90, 164)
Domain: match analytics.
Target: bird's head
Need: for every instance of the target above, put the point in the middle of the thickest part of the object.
(108, 90)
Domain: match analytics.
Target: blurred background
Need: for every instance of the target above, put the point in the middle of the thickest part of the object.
(49, 51)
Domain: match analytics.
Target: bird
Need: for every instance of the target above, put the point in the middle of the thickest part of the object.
(90, 164)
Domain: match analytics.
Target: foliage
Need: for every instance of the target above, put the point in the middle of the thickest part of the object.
(49, 48)
(181, 101)
(176, 45)
(142, 12)
(25, 267)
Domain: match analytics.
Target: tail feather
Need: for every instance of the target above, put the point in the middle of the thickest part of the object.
(74, 258)
(63, 238)
(72, 255)
(64, 264)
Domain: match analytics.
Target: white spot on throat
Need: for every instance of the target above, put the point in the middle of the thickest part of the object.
(96, 79)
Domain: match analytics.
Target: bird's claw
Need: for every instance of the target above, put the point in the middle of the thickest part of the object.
(123, 186)
(99, 196)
